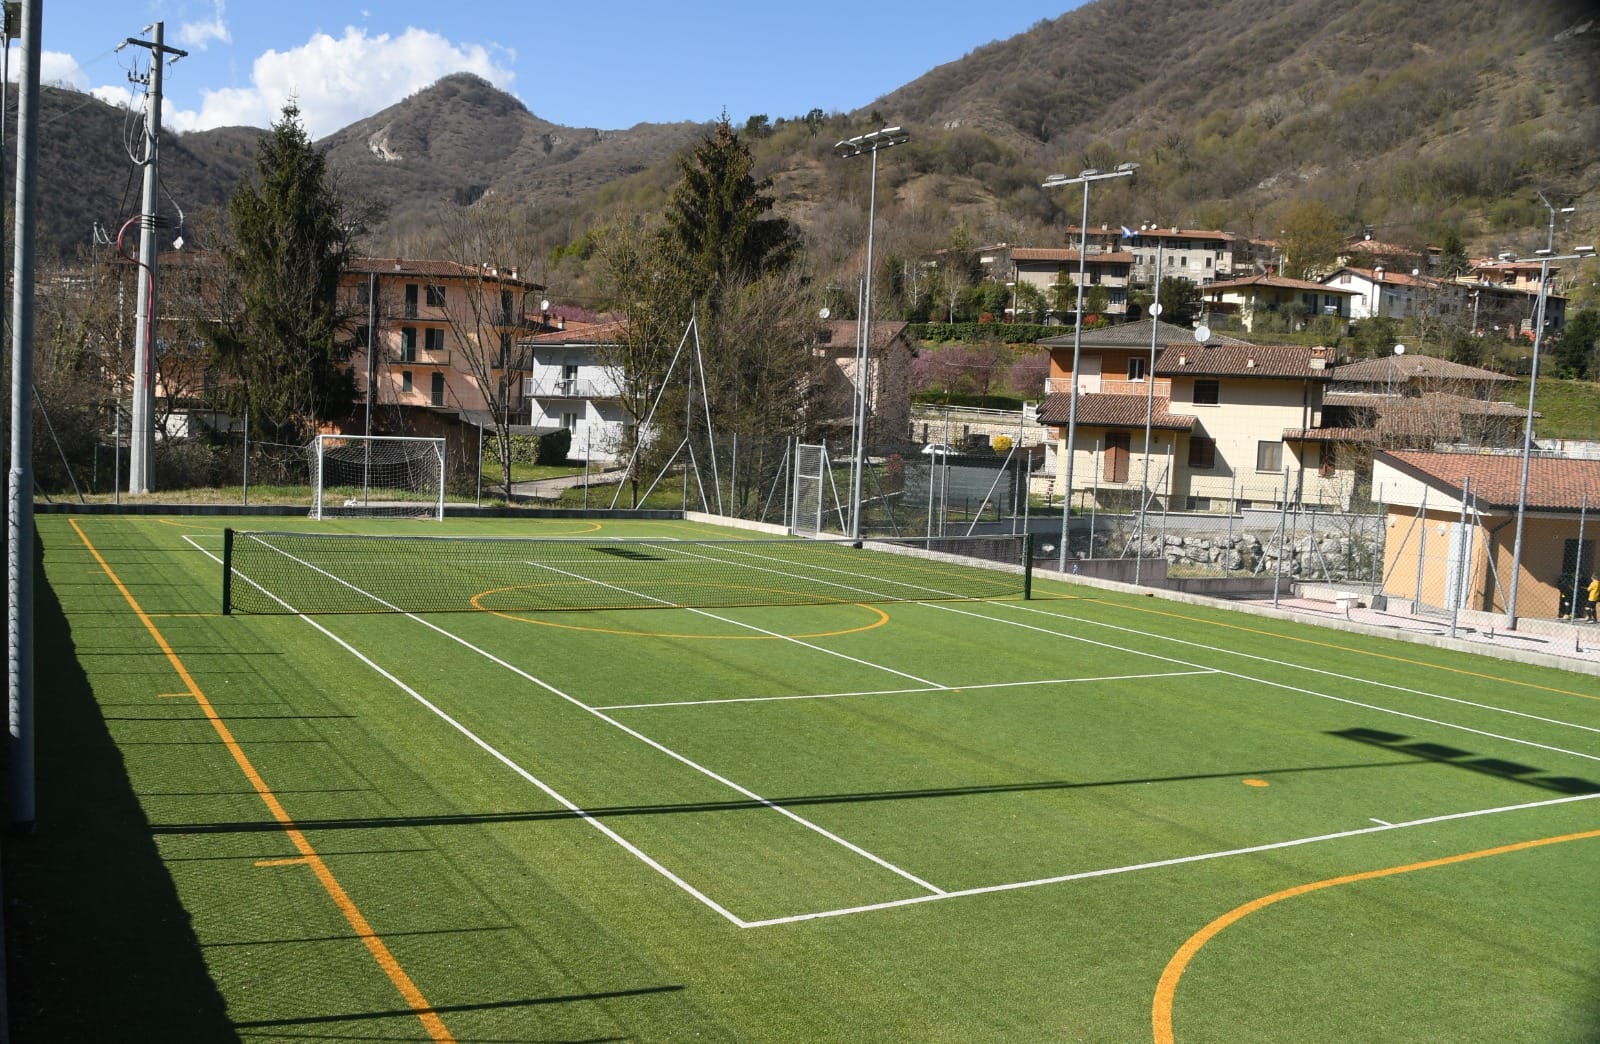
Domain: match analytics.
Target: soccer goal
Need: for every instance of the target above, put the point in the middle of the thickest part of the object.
(376, 476)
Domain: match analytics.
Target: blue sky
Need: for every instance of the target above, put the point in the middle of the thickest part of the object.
(605, 65)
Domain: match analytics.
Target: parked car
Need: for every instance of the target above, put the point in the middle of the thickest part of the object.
(937, 449)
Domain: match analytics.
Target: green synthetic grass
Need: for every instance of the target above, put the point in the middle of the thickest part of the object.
(1069, 772)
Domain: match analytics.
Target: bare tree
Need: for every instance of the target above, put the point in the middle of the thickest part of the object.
(490, 244)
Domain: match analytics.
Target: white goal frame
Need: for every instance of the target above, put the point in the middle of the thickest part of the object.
(416, 489)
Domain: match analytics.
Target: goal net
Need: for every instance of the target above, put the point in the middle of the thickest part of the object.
(377, 476)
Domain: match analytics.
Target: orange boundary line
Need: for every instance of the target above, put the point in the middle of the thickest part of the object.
(1167, 988)
(375, 945)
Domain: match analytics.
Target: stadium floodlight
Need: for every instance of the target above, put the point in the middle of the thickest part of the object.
(1546, 258)
(863, 144)
(1084, 178)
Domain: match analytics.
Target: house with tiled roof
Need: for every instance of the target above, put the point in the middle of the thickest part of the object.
(572, 383)
(1397, 293)
(1504, 297)
(1451, 530)
(1048, 268)
(1420, 402)
(1196, 254)
(1253, 297)
(432, 346)
(1223, 414)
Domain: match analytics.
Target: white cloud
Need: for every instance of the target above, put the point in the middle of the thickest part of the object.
(337, 81)
(199, 35)
(57, 69)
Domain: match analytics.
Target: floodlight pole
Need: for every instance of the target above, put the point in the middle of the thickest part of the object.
(873, 142)
(1149, 419)
(1123, 170)
(1545, 258)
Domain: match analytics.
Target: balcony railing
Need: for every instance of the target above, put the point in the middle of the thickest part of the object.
(1110, 386)
(570, 388)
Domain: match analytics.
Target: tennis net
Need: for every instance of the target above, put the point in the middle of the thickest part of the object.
(285, 572)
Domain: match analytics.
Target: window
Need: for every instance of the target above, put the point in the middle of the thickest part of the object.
(434, 339)
(1208, 262)
(1207, 391)
(569, 421)
(1183, 261)
(408, 344)
(505, 351)
(411, 300)
(1136, 367)
(1328, 461)
(360, 336)
(437, 396)
(405, 382)
(1269, 456)
(1117, 445)
(1199, 503)
(1202, 453)
(435, 295)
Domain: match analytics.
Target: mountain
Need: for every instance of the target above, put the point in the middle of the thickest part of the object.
(1411, 119)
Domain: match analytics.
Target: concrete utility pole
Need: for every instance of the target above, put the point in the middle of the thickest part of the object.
(141, 445)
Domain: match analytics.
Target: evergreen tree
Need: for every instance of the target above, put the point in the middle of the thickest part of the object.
(717, 217)
(289, 247)
(1453, 259)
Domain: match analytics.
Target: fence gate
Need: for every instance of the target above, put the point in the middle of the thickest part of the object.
(810, 476)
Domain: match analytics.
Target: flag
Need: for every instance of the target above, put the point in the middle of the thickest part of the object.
(1127, 233)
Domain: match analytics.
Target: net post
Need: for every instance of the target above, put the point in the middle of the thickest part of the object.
(227, 572)
(1027, 566)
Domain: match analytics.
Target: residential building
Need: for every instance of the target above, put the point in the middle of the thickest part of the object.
(1048, 269)
(1397, 294)
(1198, 255)
(888, 382)
(574, 383)
(1226, 419)
(1507, 297)
(1451, 540)
(440, 337)
(1253, 298)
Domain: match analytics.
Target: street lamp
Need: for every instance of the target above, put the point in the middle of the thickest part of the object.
(851, 147)
(1545, 258)
(1123, 170)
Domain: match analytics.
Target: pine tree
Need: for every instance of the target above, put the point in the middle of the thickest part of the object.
(717, 217)
(289, 247)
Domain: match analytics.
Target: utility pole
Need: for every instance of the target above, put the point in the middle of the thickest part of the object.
(141, 445)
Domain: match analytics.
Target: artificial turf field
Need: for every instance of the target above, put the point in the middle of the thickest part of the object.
(1086, 816)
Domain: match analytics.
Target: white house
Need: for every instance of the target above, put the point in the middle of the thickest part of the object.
(571, 385)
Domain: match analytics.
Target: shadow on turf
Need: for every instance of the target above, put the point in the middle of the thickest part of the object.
(447, 1009)
(98, 946)
(1440, 754)
(610, 811)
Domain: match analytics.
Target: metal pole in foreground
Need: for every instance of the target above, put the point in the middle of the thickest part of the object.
(873, 142)
(1123, 170)
(1545, 258)
(19, 518)
(1149, 419)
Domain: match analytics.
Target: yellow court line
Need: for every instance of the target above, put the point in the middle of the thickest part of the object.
(1167, 988)
(1347, 649)
(358, 923)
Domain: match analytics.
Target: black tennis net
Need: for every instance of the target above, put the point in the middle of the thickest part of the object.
(285, 572)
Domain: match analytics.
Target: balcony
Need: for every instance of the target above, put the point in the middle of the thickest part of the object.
(568, 388)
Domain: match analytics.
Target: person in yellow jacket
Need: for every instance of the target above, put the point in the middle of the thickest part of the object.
(1593, 594)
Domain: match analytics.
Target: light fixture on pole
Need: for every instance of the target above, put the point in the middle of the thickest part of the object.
(851, 147)
(1123, 170)
(1545, 258)
(1550, 238)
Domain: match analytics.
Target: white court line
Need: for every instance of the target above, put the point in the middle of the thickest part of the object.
(902, 692)
(738, 788)
(937, 895)
(1159, 863)
(1286, 663)
(1285, 685)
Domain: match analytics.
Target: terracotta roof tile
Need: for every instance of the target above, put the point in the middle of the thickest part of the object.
(1099, 409)
(1389, 368)
(1242, 360)
(1554, 483)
